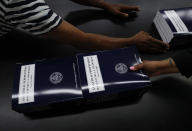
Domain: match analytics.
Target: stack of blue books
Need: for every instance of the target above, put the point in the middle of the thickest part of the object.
(40, 84)
(175, 25)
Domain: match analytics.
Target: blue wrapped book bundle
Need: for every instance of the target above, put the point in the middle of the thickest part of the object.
(174, 26)
(85, 78)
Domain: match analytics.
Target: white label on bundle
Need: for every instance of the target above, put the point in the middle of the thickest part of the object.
(176, 21)
(26, 84)
(93, 74)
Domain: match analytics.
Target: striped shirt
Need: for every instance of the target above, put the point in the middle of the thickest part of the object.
(32, 16)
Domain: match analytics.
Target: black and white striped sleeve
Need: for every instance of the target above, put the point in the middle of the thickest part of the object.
(33, 16)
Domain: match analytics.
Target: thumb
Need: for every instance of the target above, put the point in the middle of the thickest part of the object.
(121, 14)
(136, 67)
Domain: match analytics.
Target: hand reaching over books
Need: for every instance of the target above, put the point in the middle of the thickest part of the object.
(155, 68)
(146, 43)
(66, 33)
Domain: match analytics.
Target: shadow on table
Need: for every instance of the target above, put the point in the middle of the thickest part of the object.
(153, 31)
(71, 109)
(174, 88)
(20, 46)
(83, 16)
(176, 94)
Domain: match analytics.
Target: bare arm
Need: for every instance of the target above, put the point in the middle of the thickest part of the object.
(67, 33)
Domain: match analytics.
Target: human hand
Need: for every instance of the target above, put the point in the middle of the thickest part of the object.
(146, 43)
(120, 9)
(155, 68)
(151, 68)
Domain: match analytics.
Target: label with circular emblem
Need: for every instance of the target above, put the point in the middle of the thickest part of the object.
(56, 78)
(121, 68)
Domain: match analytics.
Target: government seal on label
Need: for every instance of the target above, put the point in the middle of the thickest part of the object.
(56, 78)
(121, 68)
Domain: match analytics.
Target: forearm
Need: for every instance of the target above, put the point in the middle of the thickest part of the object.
(96, 3)
(167, 66)
(67, 33)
